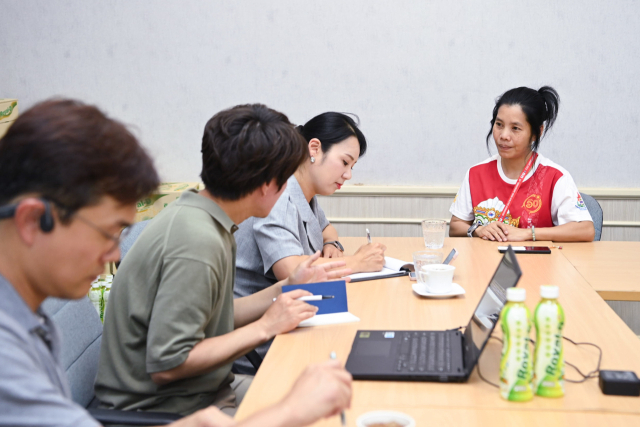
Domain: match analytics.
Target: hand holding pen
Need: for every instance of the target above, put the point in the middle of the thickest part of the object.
(286, 313)
(370, 257)
(322, 390)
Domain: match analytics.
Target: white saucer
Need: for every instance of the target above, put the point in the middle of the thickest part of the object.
(455, 290)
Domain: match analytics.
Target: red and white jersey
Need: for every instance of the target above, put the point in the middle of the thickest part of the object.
(547, 197)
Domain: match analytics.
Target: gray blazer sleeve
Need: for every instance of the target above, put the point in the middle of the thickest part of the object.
(280, 234)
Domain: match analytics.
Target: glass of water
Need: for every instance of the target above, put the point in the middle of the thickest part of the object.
(433, 231)
(422, 258)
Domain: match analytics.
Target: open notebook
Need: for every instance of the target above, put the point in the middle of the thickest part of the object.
(392, 268)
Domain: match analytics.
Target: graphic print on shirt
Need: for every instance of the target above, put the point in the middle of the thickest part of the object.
(530, 206)
(580, 203)
(489, 211)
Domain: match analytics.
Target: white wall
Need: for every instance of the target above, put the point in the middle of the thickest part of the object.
(422, 75)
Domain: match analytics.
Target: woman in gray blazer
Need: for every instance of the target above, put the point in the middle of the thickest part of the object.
(270, 248)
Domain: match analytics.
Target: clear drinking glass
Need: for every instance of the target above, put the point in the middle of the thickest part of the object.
(422, 258)
(433, 231)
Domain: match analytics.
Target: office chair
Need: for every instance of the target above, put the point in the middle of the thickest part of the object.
(595, 210)
(81, 331)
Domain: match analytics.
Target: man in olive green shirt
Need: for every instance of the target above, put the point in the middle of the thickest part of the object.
(173, 329)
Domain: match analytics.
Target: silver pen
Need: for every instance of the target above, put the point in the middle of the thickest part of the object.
(312, 298)
(333, 356)
(368, 235)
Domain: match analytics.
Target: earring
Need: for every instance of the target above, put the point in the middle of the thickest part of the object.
(313, 159)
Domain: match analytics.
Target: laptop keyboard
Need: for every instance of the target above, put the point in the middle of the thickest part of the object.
(425, 352)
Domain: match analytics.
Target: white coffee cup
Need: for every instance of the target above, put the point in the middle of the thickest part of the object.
(437, 278)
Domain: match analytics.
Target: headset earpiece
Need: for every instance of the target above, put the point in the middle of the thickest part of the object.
(46, 220)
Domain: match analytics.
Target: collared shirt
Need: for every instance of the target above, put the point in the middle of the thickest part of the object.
(173, 290)
(33, 385)
(293, 228)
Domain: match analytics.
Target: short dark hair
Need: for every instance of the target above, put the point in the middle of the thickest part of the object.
(538, 106)
(331, 128)
(73, 154)
(247, 146)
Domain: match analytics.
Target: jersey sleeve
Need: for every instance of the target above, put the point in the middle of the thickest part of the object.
(462, 206)
(567, 204)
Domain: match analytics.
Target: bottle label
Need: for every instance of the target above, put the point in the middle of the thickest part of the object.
(516, 364)
(548, 376)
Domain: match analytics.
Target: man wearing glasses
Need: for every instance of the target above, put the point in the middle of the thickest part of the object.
(69, 181)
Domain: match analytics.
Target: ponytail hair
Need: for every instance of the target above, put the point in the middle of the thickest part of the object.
(332, 128)
(539, 107)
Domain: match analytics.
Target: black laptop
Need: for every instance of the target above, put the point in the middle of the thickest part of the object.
(444, 356)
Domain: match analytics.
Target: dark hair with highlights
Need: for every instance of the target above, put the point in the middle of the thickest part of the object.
(332, 128)
(247, 146)
(73, 154)
(538, 107)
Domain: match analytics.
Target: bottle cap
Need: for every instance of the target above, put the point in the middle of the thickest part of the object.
(108, 285)
(549, 292)
(516, 294)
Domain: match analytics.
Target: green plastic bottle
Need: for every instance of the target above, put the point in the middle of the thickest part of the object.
(548, 379)
(516, 366)
(95, 296)
(105, 297)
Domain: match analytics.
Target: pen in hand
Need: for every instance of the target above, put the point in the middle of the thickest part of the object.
(368, 235)
(312, 298)
(333, 356)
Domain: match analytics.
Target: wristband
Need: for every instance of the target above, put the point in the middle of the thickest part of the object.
(473, 228)
(334, 243)
(533, 232)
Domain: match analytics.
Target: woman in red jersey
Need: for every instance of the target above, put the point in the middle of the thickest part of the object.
(518, 194)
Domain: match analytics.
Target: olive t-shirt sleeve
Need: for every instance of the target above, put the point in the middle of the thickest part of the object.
(183, 306)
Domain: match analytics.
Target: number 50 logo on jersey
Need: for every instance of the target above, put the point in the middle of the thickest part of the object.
(533, 203)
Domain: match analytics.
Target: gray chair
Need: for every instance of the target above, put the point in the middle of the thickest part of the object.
(595, 210)
(133, 231)
(81, 331)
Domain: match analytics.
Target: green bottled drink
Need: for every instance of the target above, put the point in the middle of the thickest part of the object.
(95, 296)
(516, 366)
(548, 379)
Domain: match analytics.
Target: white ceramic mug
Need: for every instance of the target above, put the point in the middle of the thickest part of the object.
(437, 278)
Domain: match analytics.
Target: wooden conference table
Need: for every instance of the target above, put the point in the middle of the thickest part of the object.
(611, 268)
(391, 304)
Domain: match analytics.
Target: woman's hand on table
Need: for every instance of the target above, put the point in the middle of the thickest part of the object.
(370, 257)
(519, 234)
(496, 231)
(330, 251)
(501, 232)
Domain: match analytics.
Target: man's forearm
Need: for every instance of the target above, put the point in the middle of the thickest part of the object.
(248, 309)
(211, 353)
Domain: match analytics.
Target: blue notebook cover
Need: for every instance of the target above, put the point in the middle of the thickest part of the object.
(338, 304)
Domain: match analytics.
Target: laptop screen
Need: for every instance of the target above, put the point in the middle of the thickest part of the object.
(486, 315)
